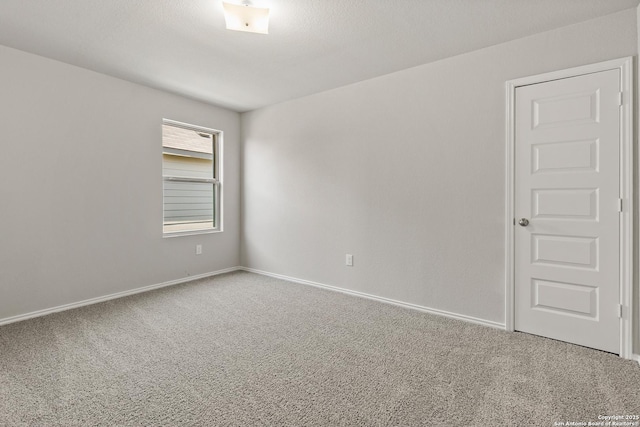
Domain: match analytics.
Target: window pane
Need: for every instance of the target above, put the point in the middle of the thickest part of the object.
(185, 139)
(187, 201)
(187, 167)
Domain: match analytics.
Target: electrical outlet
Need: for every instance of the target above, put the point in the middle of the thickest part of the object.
(198, 249)
(349, 260)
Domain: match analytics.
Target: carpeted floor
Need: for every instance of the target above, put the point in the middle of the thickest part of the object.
(244, 350)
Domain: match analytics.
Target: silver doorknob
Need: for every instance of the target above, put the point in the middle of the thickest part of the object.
(523, 222)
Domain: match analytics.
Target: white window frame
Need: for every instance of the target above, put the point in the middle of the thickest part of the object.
(217, 180)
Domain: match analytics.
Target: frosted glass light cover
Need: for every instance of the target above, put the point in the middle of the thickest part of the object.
(246, 18)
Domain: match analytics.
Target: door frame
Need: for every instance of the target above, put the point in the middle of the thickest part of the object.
(625, 65)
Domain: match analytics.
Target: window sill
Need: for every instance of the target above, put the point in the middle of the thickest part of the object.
(188, 233)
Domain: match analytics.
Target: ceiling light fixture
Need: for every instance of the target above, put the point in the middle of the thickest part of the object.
(245, 17)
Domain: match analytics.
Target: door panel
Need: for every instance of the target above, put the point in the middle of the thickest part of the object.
(569, 109)
(567, 185)
(565, 156)
(565, 298)
(565, 251)
(565, 203)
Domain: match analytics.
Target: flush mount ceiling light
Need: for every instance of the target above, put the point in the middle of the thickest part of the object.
(245, 17)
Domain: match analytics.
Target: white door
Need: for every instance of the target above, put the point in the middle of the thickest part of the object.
(567, 172)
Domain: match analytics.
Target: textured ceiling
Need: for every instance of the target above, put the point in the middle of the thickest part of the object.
(314, 45)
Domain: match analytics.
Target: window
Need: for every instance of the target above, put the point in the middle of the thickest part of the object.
(191, 178)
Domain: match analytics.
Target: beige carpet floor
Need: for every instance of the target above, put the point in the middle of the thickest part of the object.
(244, 350)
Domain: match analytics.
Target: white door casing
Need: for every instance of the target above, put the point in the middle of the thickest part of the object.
(568, 142)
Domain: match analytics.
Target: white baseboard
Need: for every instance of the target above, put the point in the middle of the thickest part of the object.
(90, 301)
(381, 299)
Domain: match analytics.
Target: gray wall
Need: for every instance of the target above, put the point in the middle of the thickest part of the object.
(81, 186)
(405, 171)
